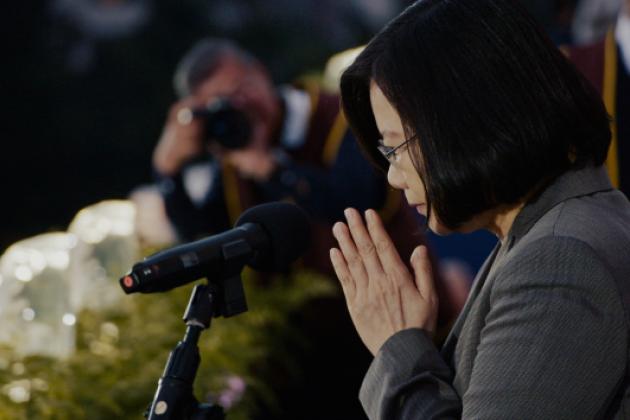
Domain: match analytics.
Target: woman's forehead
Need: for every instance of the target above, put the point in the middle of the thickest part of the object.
(387, 119)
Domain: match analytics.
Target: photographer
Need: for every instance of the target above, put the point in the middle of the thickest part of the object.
(234, 140)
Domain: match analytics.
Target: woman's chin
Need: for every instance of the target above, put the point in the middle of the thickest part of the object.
(433, 224)
(438, 228)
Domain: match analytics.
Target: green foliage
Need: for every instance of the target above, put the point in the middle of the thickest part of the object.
(121, 354)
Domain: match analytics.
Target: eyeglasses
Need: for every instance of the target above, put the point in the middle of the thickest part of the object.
(391, 153)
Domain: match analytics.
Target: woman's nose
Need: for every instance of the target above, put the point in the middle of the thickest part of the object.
(395, 177)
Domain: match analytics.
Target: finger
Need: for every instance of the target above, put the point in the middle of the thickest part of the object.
(350, 253)
(423, 272)
(363, 241)
(343, 273)
(385, 249)
(184, 104)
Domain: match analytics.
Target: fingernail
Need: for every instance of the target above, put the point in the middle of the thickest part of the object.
(415, 255)
(348, 213)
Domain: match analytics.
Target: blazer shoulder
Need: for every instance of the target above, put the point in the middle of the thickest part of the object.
(597, 224)
(553, 259)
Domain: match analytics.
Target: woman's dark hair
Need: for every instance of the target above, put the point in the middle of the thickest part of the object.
(497, 109)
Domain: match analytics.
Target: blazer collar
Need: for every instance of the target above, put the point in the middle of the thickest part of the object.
(573, 183)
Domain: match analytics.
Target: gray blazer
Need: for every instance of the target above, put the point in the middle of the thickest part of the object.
(544, 333)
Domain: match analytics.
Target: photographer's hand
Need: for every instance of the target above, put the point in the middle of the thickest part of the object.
(383, 297)
(256, 164)
(256, 161)
(180, 141)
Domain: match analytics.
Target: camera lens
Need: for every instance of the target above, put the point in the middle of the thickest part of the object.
(226, 125)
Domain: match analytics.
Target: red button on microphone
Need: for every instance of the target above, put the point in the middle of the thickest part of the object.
(128, 281)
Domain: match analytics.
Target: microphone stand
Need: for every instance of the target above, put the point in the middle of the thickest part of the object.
(174, 399)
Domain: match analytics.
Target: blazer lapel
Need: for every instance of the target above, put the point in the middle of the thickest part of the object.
(451, 340)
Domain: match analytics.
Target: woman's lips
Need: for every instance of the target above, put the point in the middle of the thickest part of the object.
(422, 209)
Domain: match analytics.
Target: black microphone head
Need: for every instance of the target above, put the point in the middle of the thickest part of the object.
(289, 231)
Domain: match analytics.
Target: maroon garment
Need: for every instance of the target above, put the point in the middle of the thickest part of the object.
(594, 64)
(589, 59)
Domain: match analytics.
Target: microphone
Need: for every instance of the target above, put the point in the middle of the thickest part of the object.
(267, 237)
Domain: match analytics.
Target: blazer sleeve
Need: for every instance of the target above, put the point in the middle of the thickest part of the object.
(409, 379)
(554, 346)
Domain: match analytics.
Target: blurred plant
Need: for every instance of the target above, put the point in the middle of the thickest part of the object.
(121, 354)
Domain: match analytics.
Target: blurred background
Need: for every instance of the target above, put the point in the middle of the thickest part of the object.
(88, 84)
(90, 81)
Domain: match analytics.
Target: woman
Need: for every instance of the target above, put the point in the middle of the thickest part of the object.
(485, 125)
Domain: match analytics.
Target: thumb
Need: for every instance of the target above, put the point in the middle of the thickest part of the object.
(423, 272)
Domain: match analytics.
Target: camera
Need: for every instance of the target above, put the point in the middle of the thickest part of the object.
(222, 122)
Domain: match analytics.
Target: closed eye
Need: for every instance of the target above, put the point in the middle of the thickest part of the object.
(386, 150)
